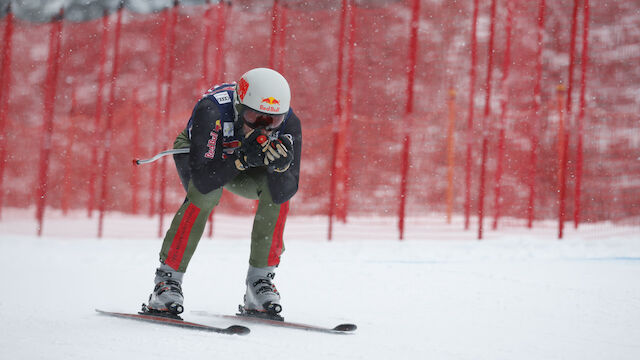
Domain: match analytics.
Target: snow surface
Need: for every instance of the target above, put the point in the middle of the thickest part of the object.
(518, 294)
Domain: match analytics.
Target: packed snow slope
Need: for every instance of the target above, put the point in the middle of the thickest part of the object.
(514, 295)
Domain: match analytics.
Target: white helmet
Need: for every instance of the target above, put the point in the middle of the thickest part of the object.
(262, 99)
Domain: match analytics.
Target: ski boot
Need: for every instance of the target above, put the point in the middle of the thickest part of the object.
(166, 298)
(262, 299)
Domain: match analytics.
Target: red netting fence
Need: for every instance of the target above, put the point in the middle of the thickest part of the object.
(77, 97)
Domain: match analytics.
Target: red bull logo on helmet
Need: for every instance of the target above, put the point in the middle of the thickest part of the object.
(270, 104)
(271, 101)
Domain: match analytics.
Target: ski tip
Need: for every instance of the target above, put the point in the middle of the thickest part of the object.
(238, 330)
(104, 312)
(345, 327)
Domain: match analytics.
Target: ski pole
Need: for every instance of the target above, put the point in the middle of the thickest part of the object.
(159, 155)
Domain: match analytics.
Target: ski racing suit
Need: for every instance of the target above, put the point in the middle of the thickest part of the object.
(213, 136)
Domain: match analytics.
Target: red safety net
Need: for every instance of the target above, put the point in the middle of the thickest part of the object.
(156, 85)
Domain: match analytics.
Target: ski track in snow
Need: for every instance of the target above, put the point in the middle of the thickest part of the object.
(519, 294)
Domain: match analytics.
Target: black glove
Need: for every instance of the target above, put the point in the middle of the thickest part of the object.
(250, 153)
(278, 153)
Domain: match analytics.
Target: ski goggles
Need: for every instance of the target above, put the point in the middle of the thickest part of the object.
(255, 119)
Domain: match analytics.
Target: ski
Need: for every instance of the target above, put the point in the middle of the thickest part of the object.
(339, 329)
(175, 320)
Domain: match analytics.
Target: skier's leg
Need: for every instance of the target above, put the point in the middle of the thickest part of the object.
(186, 229)
(268, 223)
(182, 237)
(266, 242)
(179, 244)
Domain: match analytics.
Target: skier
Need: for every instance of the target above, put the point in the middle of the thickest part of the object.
(243, 137)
